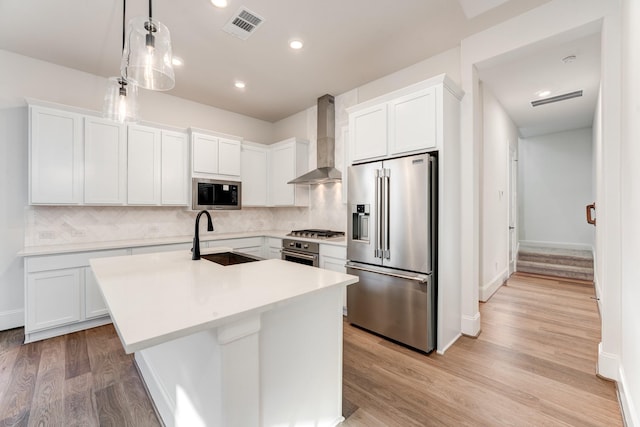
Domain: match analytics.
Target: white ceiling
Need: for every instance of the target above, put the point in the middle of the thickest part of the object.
(515, 80)
(348, 43)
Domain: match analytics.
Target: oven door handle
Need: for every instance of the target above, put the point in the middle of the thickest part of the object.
(299, 255)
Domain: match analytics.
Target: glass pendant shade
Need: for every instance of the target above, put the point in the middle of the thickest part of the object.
(146, 59)
(121, 101)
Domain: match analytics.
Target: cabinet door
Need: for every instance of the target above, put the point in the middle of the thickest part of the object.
(175, 174)
(229, 162)
(53, 298)
(94, 305)
(105, 162)
(143, 165)
(55, 156)
(412, 122)
(254, 176)
(205, 153)
(368, 133)
(282, 170)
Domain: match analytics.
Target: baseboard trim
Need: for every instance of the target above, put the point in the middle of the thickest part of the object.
(608, 364)
(11, 319)
(449, 344)
(471, 325)
(556, 245)
(488, 289)
(630, 416)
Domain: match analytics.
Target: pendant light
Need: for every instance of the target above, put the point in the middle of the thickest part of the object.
(121, 99)
(146, 59)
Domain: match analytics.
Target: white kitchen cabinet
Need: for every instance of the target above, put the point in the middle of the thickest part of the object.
(406, 121)
(53, 298)
(334, 258)
(215, 156)
(255, 159)
(229, 161)
(94, 303)
(288, 159)
(368, 133)
(157, 166)
(105, 162)
(55, 156)
(143, 165)
(175, 183)
(162, 248)
(412, 122)
(61, 295)
(273, 248)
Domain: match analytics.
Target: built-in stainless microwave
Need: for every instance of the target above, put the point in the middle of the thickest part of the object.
(215, 194)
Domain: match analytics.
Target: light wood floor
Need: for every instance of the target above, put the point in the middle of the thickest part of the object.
(532, 365)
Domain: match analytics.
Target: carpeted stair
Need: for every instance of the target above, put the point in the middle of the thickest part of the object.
(565, 263)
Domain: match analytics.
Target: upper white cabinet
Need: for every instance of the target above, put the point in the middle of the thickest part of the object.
(105, 162)
(412, 122)
(215, 155)
(406, 121)
(175, 182)
(157, 166)
(288, 159)
(143, 165)
(368, 130)
(78, 158)
(255, 159)
(55, 156)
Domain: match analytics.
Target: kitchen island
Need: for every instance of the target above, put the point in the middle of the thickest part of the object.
(254, 344)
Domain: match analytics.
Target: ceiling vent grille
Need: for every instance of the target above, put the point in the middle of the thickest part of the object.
(557, 98)
(243, 23)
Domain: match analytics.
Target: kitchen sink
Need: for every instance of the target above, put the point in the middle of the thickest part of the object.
(230, 258)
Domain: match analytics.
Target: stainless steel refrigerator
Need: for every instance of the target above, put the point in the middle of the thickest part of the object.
(391, 246)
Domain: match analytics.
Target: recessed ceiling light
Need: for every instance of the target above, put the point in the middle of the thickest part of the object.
(296, 44)
(239, 84)
(177, 61)
(544, 93)
(219, 3)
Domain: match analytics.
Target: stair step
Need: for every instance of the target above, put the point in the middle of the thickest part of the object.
(557, 270)
(568, 260)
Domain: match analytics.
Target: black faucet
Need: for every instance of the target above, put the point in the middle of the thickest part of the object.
(196, 237)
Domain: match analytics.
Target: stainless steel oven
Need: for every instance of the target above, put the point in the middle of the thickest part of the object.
(307, 253)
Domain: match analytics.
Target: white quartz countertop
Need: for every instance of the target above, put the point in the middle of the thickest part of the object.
(204, 237)
(155, 298)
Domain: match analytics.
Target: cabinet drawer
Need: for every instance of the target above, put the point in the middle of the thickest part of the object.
(70, 260)
(333, 251)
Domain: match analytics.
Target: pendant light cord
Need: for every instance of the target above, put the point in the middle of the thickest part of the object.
(124, 11)
(150, 16)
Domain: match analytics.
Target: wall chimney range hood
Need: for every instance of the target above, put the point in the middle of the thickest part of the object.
(326, 171)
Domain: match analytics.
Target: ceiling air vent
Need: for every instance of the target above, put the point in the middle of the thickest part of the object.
(557, 98)
(243, 23)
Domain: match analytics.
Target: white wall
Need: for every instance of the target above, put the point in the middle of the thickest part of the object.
(499, 134)
(555, 185)
(630, 292)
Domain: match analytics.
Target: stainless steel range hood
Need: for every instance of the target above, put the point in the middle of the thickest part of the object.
(326, 171)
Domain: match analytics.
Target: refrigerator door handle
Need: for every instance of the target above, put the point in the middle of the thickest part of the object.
(378, 210)
(386, 250)
(420, 278)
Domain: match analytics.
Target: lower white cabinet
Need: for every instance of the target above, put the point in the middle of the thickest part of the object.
(61, 294)
(334, 258)
(53, 298)
(273, 248)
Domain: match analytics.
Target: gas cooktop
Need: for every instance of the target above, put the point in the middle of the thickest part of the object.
(316, 234)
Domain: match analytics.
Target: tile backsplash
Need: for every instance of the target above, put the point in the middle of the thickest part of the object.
(53, 225)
